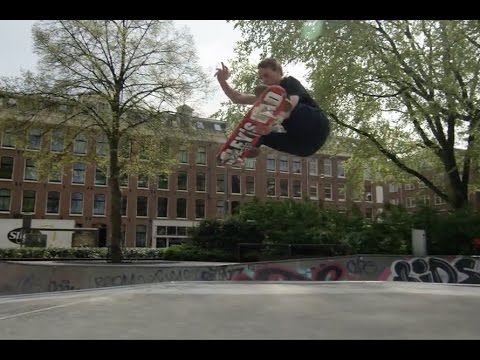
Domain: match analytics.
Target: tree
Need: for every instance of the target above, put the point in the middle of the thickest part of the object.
(403, 95)
(284, 221)
(120, 79)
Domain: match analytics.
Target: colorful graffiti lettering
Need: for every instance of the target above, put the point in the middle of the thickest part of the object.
(322, 272)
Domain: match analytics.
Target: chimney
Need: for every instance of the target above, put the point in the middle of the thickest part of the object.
(185, 110)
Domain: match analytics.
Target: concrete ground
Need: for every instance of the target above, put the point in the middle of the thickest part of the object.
(246, 310)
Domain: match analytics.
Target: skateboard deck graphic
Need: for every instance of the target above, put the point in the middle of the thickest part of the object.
(257, 122)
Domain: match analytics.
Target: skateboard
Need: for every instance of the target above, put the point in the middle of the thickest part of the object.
(258, 121)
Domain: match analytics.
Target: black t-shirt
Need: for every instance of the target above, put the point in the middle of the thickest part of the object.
(293, 87)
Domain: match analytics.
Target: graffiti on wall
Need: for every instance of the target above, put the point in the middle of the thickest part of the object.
(323, 272)
(461, 270)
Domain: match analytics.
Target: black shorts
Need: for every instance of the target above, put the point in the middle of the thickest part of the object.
(307, 129)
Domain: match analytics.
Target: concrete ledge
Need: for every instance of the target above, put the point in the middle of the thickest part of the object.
(34, 277)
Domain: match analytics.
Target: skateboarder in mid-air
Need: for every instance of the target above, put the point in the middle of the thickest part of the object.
(305, 125)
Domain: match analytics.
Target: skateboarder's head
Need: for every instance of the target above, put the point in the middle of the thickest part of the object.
(270, 71)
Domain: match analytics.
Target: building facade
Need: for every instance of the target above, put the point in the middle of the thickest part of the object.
(157, 212)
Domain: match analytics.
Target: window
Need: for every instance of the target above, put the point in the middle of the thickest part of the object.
(99, 204)
(30, 170)
(124, 148)
(220, 207)
(200, 183)
(124, 205)
(250, 180)
(143, 153)
(34, 139)
(235, 207)
(142, 182)
(313, 167)
(142, 206)
(199, 209)
(217, 127)
(297, 188)
(183, 155)
(356, 195)
(123, 180)
(100, 177)
(76, 203)
(342, 195)
(102, 146)
(170, 235)
(28, 201)
(410, 202)
(57, 141)
(270, 162)
(53, 202)
(296, 166)
(438, 200)
(181, 208)
(5, 196)
(327, 167)
(220, 183)
(6, 167)
(368, 193)
(163, 182)
(283, 163)
(340, 169)
(55, 174)
(162, 207)
(250, 164)
(9, 139)
(182, 179)
(392, 188)
(328, 191)
(421, 185)
(80, 144)
(271, 187)
(409, 187)
(284, 187)
(78, 173)
(140, 236)
(313, 191)
(201, 155)
(367, 173)
(426, 199)
(235, 184)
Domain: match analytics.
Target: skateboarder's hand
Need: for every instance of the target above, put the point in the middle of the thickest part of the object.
(222, 74)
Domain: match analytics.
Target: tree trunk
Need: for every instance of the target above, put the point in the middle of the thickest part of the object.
(459, 195)
(458, 191)
(116, 206)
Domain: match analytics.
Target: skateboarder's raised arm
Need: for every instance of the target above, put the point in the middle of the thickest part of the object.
(236, 96)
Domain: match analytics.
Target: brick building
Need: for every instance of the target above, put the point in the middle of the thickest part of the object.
(157, 212)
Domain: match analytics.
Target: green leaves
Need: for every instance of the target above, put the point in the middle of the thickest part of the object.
(409, 89)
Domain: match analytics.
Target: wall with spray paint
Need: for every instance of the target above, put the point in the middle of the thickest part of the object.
(31, 277)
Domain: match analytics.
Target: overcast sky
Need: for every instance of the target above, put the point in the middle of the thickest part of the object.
(214, 40)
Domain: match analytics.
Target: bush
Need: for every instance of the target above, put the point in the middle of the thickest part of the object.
(225, 235)
(175, 252)
(449, 233)
(187, 252)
